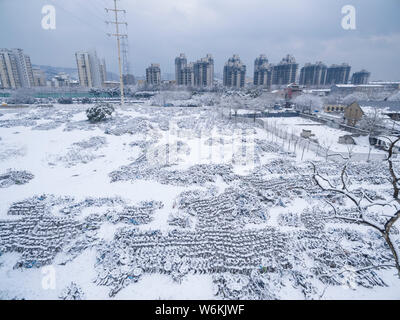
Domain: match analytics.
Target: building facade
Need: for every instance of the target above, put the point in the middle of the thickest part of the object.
(338, 74)
(313, 75)
(8, 70)
(353, 113)
(187, 75)
(39, 78)
(262, 72)
(91, 72)
(361, 77)
(15, 69)
(61, 80)
(234, 73)
(203, 72)
(285, 72)
(180, 64)
(24, 68)
(199, 73)
(103, 71)
(153, 75)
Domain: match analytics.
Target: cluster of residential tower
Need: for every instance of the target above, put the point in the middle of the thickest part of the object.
(16, 71)
(201, 73)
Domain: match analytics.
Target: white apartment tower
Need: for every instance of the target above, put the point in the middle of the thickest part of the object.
(262, 72)
(234, 72)
(180, 64)
(15, 69)
(91, 72)
(187, 75)
(8, 70)
(199, 73)
(203, 72)
(153, 74)
(39, 78)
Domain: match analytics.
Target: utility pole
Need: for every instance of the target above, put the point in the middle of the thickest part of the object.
(119, 36)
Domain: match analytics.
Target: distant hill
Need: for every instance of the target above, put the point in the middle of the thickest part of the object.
(72, 72)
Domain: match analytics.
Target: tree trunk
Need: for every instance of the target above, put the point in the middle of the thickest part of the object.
(392, 248)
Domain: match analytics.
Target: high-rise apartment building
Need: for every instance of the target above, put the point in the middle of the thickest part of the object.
(203, 72)
(262, 72)
(361, 77)
(60, 80)
(199, 73)
(285, 72)
(8, 70)
(24, 68)
(313, 74)
(15, 69)
(91, 72)
(234, 73)
(103, 71)
(180, 64)
(39, 78)
(338, 74)
(187, 75)
(153, 74)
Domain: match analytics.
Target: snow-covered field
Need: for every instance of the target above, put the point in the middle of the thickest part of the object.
(175, 203)
(326, 136)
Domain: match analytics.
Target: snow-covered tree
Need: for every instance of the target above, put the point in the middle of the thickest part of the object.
(379, 213)
(315, 102)
(99, 112)
(65, 100)
(372, 122)
(21, 96)
(354, 97)
(395, 96)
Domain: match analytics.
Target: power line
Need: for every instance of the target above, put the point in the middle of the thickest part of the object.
(77, 17)
(90, 9)
(97, 7)
(118, 36)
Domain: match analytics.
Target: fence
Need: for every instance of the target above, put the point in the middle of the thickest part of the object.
(299, 145)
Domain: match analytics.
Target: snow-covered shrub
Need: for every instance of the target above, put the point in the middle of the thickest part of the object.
(21, 96)
(86, 100)
(65, 100)
(72, 292)
(94, 143)
(99, 112)
(179, 220)
(290, 219)
(15, 177)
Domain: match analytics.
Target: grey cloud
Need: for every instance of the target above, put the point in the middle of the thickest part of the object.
(161, 29)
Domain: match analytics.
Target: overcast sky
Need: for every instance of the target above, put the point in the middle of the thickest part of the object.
(161, 29)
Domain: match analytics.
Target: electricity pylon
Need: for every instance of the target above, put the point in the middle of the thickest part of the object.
(125, 53)
(119, 36)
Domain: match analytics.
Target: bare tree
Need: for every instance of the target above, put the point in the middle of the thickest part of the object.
(364, 206)
(372, 123)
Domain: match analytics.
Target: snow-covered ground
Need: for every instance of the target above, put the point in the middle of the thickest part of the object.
(326, 136)
(175, 203)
